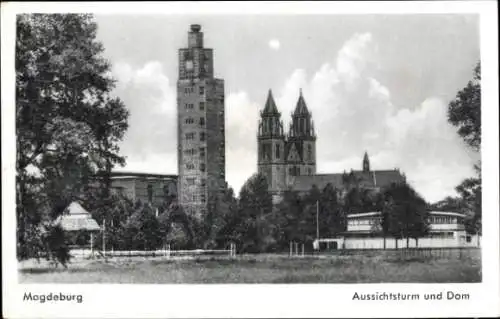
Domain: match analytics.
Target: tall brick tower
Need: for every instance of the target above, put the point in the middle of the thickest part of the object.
(271, 146)
(200, 127)
(301, 142)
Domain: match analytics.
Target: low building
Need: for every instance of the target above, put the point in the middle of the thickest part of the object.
(155, 189)
(446, 229)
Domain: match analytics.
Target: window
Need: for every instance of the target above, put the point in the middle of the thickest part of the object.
(202, 106)
(202, 152)
(309, 171)
(189, 166)
(190, 136)
(202, 90)
(188, 90)
(203, 198)
(189, 120)
(309, 151)
(189, 106)
(203, 182)
(190, 181)
(202, 136)
(202, 121)
(277, 151)
(468, 239)
(202, 167)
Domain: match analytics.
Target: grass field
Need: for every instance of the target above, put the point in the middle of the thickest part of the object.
(362, 268)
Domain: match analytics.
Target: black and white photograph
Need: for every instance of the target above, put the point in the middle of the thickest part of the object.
(168, 149)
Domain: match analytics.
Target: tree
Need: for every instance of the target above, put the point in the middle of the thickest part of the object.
(67, 124)
(142, 229)
(254, 207)
(464, 112)
(331, 218)
(404, 214)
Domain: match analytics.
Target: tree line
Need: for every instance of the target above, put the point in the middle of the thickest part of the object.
(256, 224)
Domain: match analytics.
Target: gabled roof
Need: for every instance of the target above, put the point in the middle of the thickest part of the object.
(270, 107)
(76, 218)
(301, 107)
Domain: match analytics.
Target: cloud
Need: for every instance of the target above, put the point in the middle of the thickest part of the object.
(242, 118)
(274, 44)
(150, 142)
(353, 112)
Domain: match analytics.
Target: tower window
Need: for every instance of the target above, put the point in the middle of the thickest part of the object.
(202, 121)
(277, 151)
(202, 152)
(202, 90)
(202, 106)
(309, 151)
(189, 120)
(202, 136)
(190, 136)
(189, 166)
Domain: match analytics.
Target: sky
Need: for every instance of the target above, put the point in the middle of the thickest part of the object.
(375, 83)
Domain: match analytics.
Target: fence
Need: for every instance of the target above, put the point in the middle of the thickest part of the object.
(166, 252)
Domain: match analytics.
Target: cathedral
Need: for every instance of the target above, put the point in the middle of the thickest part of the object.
(288, 161)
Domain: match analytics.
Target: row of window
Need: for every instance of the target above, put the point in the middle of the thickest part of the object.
(191, 181)
(193, 151)
(443, 220)
(266, 151)
(202, 197)
(191, 166)
(366, 221)
(190, 106)
(190, 120)
(190, 90)
(191, 136)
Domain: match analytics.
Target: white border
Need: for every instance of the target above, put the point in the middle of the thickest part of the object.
(258, 300)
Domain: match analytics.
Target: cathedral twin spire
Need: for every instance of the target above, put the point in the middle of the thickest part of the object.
(301, 125)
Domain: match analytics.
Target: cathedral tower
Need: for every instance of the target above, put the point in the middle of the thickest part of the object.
(200, 127)
(301, 143)
(271, 146)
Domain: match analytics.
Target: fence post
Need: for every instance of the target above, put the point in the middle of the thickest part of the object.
(302, 250)
(290, 253)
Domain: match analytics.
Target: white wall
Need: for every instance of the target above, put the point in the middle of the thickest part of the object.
(427, 242)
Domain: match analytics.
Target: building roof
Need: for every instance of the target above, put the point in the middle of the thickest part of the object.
(124, 175)
(360, 215)
(304, 183)
(436, 213)
(270, 107)
(380, 178)
(75, 218)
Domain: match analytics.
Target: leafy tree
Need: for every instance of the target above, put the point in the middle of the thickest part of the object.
(67, 124)
(332, 216)
(142, 229)
(464, 112)
(287, 218)
(254, 207)
(404, 214)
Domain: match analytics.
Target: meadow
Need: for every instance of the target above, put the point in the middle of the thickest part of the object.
(371, 267)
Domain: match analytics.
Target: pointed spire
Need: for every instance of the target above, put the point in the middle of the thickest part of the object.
(270, 107)
(366, 163)
(301, 107)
